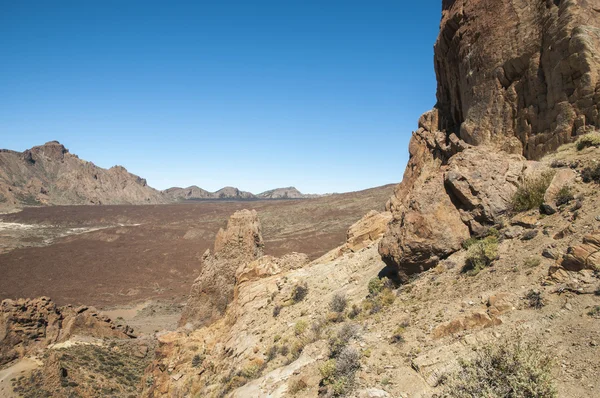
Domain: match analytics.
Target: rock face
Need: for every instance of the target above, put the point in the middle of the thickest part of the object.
(522, 76)
(30, 324)
(240, 243)
(50, 175)
(515, 79)
(367, 230)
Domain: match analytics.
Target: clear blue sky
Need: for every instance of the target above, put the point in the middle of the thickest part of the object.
(319, 94)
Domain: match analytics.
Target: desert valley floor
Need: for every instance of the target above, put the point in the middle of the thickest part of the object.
(109, 256)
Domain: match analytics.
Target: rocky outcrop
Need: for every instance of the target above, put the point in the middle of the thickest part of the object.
(514, 78)
(27, 325)
(240, 243)
(521, 76)
(584, 256)
(50, 175)
(367, 230)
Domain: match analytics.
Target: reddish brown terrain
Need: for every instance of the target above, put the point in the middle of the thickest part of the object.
(155, 251)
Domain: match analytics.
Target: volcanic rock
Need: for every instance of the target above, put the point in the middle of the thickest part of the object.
(240, 243)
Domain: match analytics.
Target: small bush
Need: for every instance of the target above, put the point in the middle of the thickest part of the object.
(515, 370)
(564, 196)
(591, 174)
(481, 255)
(272, 353)
(197, 360)
(338, 303)
(347, 362)
(530, 195)
(338, 374)
(297, 385)
(276, 311)
(375, 286)
(354, 311)
(317, 327)
(299, 293)
(535, 299)
(300, 327)
(532, 262)
(588, 140)
(339, 341)
(397, 337)
(595, 312)
(284, 350)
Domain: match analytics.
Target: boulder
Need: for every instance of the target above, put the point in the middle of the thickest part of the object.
(367, 230)
(482, 182)
(562, 178)
(584, 256)
(240, 243)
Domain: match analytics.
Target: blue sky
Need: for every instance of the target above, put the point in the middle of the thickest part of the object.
(322, 95)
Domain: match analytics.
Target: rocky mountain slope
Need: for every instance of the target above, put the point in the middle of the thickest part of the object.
(50, 175)
(231, 193)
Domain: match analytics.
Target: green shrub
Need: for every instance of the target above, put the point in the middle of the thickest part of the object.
(300, 327)
(338, 303)
(505, 370)
(354, 311)
(338, 374)
(375, 286)
(480, 255)
(530, 194)
(532, 262)
(588, 140)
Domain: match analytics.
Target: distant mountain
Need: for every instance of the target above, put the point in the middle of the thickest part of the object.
(50, 175)
(285, 193)
(231, 193)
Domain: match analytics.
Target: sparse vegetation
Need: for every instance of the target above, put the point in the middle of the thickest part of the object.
(591, 174)
(341, 339)
(397, 337)
(530, 195)
(300, 327)
(297, 385)
(588, 140)
(505, 370)
(299, 293)
(532, 262)
(338, 374)
(535, 299)
(338, 303)
(564, 196)
(354, 311)
(595, 312)
(276, 311)
(197, 360)
(480, 255)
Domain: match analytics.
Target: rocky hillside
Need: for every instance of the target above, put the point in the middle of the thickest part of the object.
(231, 193)
(50, 175)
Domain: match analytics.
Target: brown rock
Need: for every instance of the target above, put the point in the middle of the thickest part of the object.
(520, 75)
(367, 230)
(240, 243)
(585, 256)
(501, 303)
(561, 179)
(483, 182)
(27, 325)
(475, 320)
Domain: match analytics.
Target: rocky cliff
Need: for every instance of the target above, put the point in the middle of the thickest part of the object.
(50, 175)
(516, 80)
(523, 76)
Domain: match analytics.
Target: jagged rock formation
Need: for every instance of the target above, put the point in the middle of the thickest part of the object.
(231, 193)
(523, 76)
(240, 243)
(514, 78)
(28, 325)
(50, 175)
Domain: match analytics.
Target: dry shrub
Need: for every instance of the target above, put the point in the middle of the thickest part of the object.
(338, 303)
(503, 370)
(588, 140)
